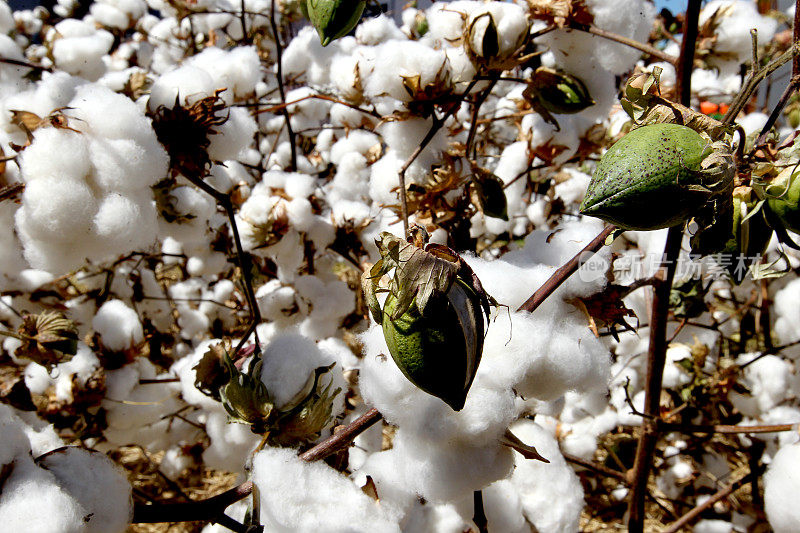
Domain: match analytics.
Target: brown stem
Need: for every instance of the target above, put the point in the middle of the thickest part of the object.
(479, 514)
(724, 429)
(600, 469)
(284, 111)
(206, 510)
(25, 64)
(564, 272)
(473, 127)
(695, 513)
(643, 47)
(656, 354)
(342, 437)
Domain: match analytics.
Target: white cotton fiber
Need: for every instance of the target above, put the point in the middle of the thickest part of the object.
(232, 137)
(88, 192)
(781, 486)
(54, 209)
(551, 494)
(436, 470)
(289, 360)
(33, 501)
(118, 325)
(186, 84)
(485, 416)
(79, 48)
(97, 484)
(300, 496)
(13, 442)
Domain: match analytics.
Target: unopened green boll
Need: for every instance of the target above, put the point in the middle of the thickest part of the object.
(334, 18)
(657, 176)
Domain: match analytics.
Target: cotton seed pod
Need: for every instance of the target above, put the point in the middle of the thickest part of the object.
(334, 18)
(558, 92)
(656, 177)
(783, 199)
(432, 318)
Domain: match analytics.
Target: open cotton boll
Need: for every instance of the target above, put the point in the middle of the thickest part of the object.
(97, 484)
(547, 355)
(305, 55)
(234, 136)
(736, 19)
(769, 381)
(632, 19)
(395, 59)
(231, 443)
(300, 496)
(238, 70)
(118, 325)
(33, 501)
(781, 486)
(56, 210)
(6, 18)
(373, 31)
(186, 85)
(787, 323)
(288, 361)
(510, 22)
(437, 470)
(79, 47)
(13, 442)
(551, 494)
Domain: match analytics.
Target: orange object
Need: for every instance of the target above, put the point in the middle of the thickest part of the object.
(723, 108)
(708, 107)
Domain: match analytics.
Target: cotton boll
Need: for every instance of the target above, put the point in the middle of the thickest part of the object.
(674, 375)
(436, 517)
(118, 325)
(623, 17)
(374, 31)
(12, 436)
(769, 382)
(97, 484)
(551, 494)
(732, 33)
(438, 470)
(781, 485)
(397, 58)
(235, 135)
(238, 70)
(6, 19)
(186, 85)
(56, 210)
(300, 496)
(231, 443)
(80, 48)
(33, 500)
(289, 360)
(55, 153)
(124, 223)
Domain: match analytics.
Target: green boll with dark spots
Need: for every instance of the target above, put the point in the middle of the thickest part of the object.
(650, 179)
(334, 18)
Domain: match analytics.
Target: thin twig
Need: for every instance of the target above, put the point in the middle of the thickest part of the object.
(642, 47)
(284, 111)
(476, 107)
(792, 86)
(695, 513)
(564, 272)
(18, 63)
(725, 429)
(600, 469)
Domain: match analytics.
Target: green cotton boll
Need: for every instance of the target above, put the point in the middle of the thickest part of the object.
(650, 179)
(334, 18)
(440, 351)
(783, 199)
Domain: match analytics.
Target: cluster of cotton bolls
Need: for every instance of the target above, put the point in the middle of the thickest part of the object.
(112, 230)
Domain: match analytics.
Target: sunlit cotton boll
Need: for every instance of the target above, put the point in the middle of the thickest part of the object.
(551, 493)
(781, 486)
(437, 470)
(79, 47)
(300, 496)
(118, 325)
